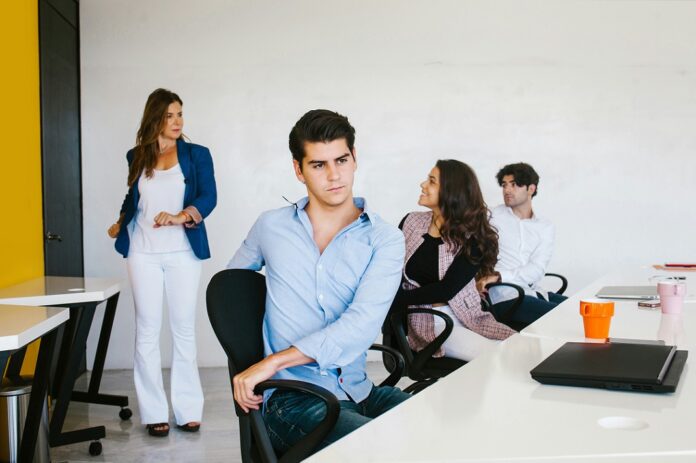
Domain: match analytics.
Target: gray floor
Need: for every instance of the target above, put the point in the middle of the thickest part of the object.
(127, 441)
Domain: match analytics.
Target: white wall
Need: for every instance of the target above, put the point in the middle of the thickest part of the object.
(600, 96)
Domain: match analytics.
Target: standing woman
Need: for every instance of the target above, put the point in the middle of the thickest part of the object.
(161, 233)
(446, 249)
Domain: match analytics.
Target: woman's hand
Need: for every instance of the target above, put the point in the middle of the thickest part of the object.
(165, 218)
(484, 281)
(114, 229)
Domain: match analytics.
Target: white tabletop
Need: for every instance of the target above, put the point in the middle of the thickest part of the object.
(21, 325)
(492, 410)
(51, 290)
(629, 320)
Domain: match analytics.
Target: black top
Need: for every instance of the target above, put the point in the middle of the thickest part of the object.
(423, 268)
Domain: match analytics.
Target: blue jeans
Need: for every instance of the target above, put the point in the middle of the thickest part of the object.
(533, 308)
(291, 415)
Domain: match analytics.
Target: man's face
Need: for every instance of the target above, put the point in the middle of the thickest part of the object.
(327, 170)
(515, 195)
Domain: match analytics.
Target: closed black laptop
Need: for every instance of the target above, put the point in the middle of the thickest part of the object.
(624, 366)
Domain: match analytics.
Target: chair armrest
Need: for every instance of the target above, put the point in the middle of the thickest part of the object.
(511, 307)
(305, 446)
(564, 281)
(398, 371)
(422, 356)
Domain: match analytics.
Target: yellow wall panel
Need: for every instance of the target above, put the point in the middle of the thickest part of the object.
(21, 233)
(21, 240)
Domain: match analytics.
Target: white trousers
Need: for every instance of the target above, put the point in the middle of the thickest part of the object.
(462, 343)
(151, 275)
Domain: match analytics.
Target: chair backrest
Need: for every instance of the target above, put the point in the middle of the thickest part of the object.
(236, 301)
(395, 338)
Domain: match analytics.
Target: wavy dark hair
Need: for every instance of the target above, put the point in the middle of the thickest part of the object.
(522, 173)
(465, 214)
(146, 146)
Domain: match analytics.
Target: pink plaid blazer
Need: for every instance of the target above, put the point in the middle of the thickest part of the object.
(466, 304)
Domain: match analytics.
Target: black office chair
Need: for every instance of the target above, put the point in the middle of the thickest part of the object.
(421, 366)
(236, 302)
(564, 282)
(505, 311)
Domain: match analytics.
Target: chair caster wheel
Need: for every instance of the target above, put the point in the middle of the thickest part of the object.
(125, 414)
(95, 448)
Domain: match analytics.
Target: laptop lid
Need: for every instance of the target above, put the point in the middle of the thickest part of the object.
(628, 292)
(637, 367)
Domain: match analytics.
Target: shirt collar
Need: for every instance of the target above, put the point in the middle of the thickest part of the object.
(533, 218)
(359, 202)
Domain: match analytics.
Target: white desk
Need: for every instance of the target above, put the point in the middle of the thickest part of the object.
(82, 296)
(492, 410)
(18, 327)
(60, 291)
(629, 321)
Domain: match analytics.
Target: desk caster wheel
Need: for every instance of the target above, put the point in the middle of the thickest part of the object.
(95, 448)
(125, 414)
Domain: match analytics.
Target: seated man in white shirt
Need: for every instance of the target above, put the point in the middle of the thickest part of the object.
(525, 244)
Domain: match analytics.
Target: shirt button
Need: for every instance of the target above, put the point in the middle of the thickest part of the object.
(319, 267)
(321, 297)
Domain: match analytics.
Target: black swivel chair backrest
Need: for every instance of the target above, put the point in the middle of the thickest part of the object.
(505, 311)
(236, 301)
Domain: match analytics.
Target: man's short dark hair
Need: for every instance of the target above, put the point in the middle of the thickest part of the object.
(319, 125)
(523, 173)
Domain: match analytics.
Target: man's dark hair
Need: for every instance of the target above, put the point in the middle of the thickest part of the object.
(523, 173)
(319, 125)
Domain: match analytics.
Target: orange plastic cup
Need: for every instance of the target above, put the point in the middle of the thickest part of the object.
(596, 317)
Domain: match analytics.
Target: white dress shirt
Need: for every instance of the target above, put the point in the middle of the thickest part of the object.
(525, 247)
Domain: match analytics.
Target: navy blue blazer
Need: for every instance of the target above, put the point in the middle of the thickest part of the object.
(200, 193)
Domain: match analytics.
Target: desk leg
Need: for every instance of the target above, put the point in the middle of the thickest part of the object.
(4, 356)
(82, 322)
(92, 395)
(14, 366)
(66, 338)
(37, 398)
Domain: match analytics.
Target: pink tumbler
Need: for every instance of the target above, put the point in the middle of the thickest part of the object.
(671, 296)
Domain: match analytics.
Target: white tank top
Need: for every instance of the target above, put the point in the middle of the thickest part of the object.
(163, 192)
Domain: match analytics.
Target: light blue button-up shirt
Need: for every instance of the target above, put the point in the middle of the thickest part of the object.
(331, 305)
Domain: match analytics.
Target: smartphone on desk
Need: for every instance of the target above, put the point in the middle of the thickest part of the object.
(649, 304)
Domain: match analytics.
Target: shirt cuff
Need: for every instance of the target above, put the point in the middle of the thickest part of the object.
(322, 349)
(195, 215)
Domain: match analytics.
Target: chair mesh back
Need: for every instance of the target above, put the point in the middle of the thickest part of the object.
(236, 301)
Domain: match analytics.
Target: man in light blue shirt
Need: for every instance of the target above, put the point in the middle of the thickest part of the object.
(332, 270)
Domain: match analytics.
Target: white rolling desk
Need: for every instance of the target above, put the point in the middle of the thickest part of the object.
(492, 410)
(82, 296)
(20, 326)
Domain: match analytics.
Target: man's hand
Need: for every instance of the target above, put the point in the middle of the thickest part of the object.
(245, 382)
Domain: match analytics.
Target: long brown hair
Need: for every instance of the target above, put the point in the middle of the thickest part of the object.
(465, 214)
(146, 145)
